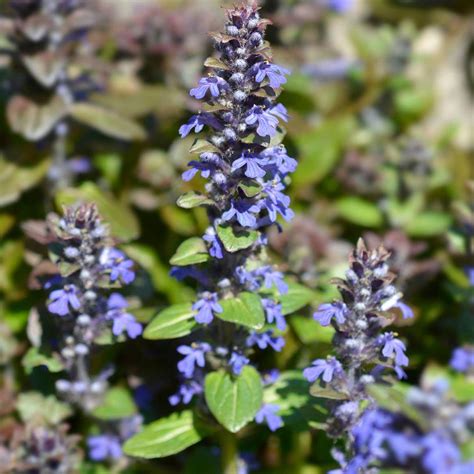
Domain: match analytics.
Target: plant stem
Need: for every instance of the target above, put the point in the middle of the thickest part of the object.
(229, 456)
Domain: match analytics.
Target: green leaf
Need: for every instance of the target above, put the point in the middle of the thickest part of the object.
(245, 309)
(190, 252)
(34, 407)
(234, 240)
(321, 390)
(118, 403)
(297, 297)
(107, 122)
(250, 187)
(120, 217)
(428, 224)
(234, 401)
(203, 146)
(310, 331)
(193, 199)
(166, 436)
(215, 63)
(320, 149)
(461, 387)
(360, 211)
(175, 321)
(34, 358)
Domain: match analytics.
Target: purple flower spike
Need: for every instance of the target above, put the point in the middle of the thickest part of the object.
(324, 368)
(275, 74)
(103, 447)
(265, 121)
(206, 306)
(64, 299)
(268, 414)
(327, 311)
(393, 348)
(208, 84)
(194, 356)
(120, 267)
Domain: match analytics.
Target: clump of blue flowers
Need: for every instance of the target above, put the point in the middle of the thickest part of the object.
(427, 434)
(246, 170)
(364, 352)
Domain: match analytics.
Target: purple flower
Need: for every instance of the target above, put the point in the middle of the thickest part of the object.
(206, 84)
(340, 6)
(206, 306)
(278, 157)
(208, 164)
(265, 339)
(441, 453)
(273, 313)
(331, 69)
(273, 278)
(268, 414)
(266, 122)
(252, 165)
(197, 123)
(118, 264)
(276, 202)
(470, 275)
(324, 368)
(462, 359)
(244, 211)
(122, 321)
(270, 377)
(407, 312)
(393, 348)
(215, 247)
(102, 447)
(62, 300)
(185, 393)
(249, 279)
(275, 74)
(194, 356)
(279, 110)
(237, 362)
(327, 311)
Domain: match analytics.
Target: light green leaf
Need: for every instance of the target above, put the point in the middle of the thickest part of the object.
(193, 199)
(250, 188)
(234, 401)
(297, 297)
(175, 321)
(234, 240)
(322, 390)
(309, 331)
(360, 211)
(428, 224)
(245, 309)
(118, 403)
(107, 122)
(190, 252)
(119, 216)
(166, 436)
(34, 407)
(34, 358)
(461, 387)
(203, 146)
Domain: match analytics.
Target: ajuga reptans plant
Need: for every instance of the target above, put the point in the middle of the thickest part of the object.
(364, 352)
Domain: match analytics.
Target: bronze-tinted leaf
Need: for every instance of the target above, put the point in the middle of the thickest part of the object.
(45, 67)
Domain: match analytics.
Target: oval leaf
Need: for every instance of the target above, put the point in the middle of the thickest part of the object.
(234, 401)
(190, 252)
(117, 403)
(193, 199)
(233, 240)
(167, 436)
(297, 297)
(107, 122)
(246, 309)
(175, 321)
(360, 212)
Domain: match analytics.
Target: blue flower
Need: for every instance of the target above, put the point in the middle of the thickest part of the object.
(393, 348)
(64, 299)
(327, 369)
(265, 121)
(252, 165)
(197, 123)
(462, 359)
(327, 311)
(275, 201)
(268, 414)
(237, 362)
(340, 6)
(244, 211)
(208, 164)
(206, 84)
(407, 312)
(279, 110)
(270, 377)
(273, 313)
(186, 393)
(275, 74)
(215, 247)
(278, 157)
(194, 356)
(272, 278)
(441, 453)
(206, 306)
(120, 267)
(265, 339)
(249, 279)
(122, 321)
(103, 447)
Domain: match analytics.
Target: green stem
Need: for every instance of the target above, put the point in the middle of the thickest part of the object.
(230, 453)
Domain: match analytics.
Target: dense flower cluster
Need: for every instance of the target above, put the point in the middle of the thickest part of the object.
(246, 177)
(363, 351)
(429, 441)
(84, 298)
